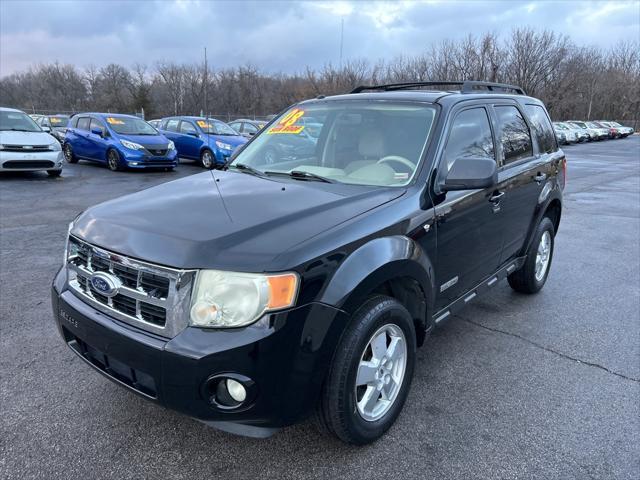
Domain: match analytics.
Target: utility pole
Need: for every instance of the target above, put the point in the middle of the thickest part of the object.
(341, 39)
(205, 82)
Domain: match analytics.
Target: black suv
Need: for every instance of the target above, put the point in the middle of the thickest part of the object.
(251, 297)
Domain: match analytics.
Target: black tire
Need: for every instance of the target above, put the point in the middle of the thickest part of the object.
(337, 410)
(207, 159)
(525, 280)
(113, 160)
(68, 153)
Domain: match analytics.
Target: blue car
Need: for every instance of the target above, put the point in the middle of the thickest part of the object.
(209, 141)
(119, 141)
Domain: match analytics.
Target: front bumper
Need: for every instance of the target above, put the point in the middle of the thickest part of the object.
(28, 162)
(141, 159)
(286, 357)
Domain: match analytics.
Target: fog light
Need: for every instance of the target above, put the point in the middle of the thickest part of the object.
(133, 163)
(236, 390)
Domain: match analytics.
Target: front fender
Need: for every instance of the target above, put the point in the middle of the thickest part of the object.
(374, 263)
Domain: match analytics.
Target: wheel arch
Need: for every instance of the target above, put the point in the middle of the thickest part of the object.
(395, 266)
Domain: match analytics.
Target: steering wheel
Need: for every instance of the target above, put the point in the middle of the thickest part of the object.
(399, 159)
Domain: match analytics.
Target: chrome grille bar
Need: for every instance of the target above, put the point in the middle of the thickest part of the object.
(156, 301)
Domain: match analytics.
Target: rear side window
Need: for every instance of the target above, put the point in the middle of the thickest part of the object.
(514, 134)
(186, 127)
(470, 136)
(172, 125)
(542, 128)
(96, 124)
(83, 123)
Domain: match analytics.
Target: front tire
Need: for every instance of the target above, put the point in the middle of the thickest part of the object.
(371, 373)
(207, 160)
(113, 160)
(67, 149)
(533, 274)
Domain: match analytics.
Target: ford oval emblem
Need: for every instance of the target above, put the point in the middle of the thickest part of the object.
(105, 284)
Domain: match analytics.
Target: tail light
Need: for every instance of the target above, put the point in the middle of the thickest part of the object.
(564, 172)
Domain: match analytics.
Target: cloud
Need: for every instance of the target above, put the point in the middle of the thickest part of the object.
(279, 36)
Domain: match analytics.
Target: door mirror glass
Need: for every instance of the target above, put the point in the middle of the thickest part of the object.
(468, 173)
(46, 129)
(97, 131)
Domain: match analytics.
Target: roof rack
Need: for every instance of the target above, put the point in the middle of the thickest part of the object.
(468, 86)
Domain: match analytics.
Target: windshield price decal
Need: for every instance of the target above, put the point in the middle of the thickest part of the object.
(55, 120)
(114, 121)
(203, 124)
(286, 124)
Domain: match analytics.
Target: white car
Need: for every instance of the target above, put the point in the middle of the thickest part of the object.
(25, 147)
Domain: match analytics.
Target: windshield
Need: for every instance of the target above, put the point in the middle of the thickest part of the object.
(579, 124)
(215, 127)
(356, 142)
(592, 125)
(59, 121)
(560, 126)
(17, 121)
(130, 126)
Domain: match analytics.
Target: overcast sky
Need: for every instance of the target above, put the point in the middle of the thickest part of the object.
(279, 36)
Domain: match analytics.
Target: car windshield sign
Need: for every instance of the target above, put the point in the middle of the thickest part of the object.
(59, 121)
(130, 126)
(17, 121)
(215, 127)
(353, 141)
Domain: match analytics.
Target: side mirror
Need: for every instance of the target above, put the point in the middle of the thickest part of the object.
(468, 173)
(97, 131)
(46, 129)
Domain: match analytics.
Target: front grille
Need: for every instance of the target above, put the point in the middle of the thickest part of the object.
(157, 152)
(28, 164)
(26, 148)
(152, 297)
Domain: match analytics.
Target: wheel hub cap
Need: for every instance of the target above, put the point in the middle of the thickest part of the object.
(380, 372)
(543, 255)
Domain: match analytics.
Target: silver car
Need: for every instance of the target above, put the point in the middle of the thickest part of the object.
(564, 134)
(593, 133)
(24, 146)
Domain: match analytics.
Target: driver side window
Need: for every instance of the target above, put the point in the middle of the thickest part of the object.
(469, 136)
(187, 127)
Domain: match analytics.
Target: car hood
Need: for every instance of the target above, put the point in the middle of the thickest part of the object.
(146, 140)
(224, 220)
(25, 138)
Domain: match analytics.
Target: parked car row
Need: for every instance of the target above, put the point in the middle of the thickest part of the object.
(128, 142)
(576, 131)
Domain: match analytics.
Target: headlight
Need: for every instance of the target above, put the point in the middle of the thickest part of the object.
(171, 145)
(66, 245)
(229, 299)
(224, 146)
(131, 145)
(55, 146)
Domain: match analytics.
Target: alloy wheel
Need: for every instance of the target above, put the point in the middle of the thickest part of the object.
(543, 256)
(380, 372)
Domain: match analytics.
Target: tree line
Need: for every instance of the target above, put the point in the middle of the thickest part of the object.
(575, 82)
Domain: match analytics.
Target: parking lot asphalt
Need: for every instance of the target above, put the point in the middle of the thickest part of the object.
(544, 386)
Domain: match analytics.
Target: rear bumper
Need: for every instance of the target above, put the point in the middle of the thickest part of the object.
(287, 360)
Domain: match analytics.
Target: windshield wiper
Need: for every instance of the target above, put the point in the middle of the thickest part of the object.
(17, 130)
(246, 168)
(303, 175)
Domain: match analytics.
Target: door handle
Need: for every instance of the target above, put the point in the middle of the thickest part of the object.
(496, 197)
(540, 177)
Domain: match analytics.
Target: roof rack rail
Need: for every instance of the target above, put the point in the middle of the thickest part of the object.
(468, 86)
